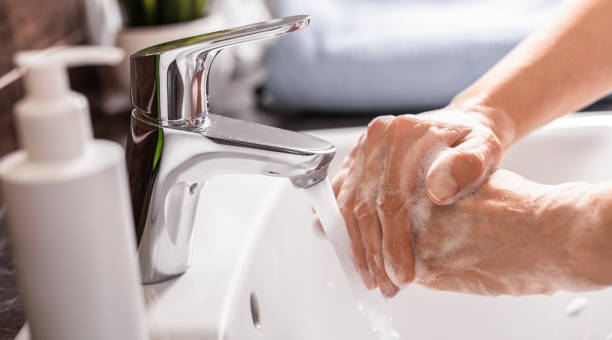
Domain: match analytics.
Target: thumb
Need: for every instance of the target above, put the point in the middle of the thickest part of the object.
(458, 169)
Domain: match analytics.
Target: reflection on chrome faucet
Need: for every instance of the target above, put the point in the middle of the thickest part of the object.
(175, 145)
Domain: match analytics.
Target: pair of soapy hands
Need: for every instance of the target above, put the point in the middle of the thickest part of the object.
(401, 182)
(424, 202)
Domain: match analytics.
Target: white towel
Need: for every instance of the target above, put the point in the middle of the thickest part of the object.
(364, 55)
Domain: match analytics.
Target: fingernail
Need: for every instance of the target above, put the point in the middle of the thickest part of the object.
(387, 290)
(398, 275)
(442, 188)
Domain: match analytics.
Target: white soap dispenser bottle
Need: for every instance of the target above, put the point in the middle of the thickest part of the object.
(68, 209)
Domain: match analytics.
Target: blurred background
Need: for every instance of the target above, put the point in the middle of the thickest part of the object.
(358, 59)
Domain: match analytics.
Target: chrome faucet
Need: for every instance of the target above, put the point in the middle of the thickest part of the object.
(175, 144)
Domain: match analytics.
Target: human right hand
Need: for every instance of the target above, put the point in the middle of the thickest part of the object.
(398, 163)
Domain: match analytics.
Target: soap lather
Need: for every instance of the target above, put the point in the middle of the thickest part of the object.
(175, 144)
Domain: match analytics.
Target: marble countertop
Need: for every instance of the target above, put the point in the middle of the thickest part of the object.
(12, 315)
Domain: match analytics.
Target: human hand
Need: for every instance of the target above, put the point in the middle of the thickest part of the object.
(516, 237)
(398, 162)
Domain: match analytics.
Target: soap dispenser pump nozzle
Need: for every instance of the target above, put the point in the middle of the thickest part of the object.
(52, 121)
(48, 67)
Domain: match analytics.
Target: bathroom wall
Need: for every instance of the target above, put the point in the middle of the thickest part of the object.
(30, 24)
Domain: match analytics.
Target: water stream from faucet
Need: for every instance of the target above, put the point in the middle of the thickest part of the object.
(369, 303)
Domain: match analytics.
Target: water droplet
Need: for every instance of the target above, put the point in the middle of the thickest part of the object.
(576, 307)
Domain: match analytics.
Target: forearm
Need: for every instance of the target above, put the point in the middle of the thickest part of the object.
(557, 69)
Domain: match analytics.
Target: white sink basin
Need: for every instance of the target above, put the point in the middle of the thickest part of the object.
(254, 241)
(302, 293)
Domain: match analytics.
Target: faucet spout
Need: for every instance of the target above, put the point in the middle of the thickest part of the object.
(302, 158)
(168, 167)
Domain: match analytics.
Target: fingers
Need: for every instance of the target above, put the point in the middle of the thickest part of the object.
(365, 207)
(346, 191)
(457, 169)
(399, 182)
(357, 246)
(338, 181)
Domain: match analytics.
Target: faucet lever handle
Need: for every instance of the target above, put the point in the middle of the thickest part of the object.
(169, 81)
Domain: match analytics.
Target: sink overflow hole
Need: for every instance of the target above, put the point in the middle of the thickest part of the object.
(255, 311)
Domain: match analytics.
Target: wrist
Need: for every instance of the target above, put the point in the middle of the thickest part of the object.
(590, 240)
(494, 117)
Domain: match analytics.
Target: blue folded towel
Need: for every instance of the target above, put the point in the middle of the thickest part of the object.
(364, 55)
